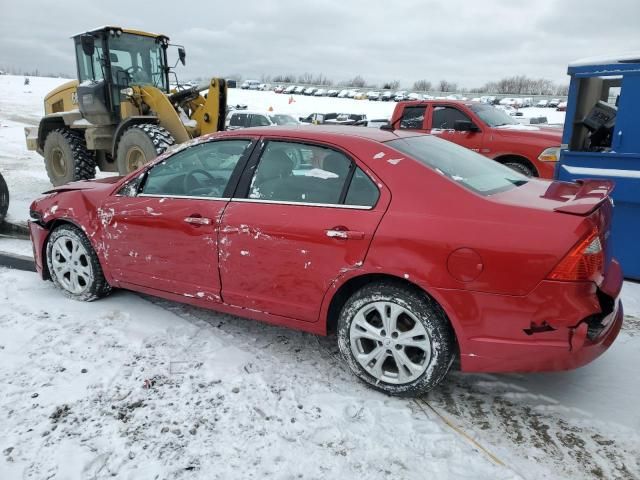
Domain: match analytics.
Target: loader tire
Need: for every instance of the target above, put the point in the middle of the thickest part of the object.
(140, 144)
(66, 157)
(4, 199)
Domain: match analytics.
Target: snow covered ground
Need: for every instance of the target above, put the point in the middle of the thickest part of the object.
(136, 387)
(22, 105)
(143, 388)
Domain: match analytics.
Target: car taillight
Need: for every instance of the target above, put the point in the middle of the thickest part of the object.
(584, 262)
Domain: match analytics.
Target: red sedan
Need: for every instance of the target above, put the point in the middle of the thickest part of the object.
(413, 250)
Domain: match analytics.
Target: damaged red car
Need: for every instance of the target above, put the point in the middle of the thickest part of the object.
(412, 250)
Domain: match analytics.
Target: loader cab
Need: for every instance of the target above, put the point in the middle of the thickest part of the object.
(111, 59)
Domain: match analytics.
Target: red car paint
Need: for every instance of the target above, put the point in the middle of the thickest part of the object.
(522, 143)
(484, 259)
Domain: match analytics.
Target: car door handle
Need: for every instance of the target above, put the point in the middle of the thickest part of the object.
(343, 233)
(198, 220)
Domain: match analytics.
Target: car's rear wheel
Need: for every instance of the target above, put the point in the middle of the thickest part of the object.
(396, 339)
(74, 266)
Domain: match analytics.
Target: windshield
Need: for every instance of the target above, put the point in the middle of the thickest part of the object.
(280, 119)
(492, 116)
(137, 60)
(463, 166)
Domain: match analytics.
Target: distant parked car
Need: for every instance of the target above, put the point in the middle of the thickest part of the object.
(542, 103)
(348, 119)
(562, 107)
(289, 89)
(310, 91)
(352, 93)
(264, 87)
(414, 96)
(360, 96)
(250, 85)
(508, 102)
(318, 118)
(278, 89)
(401, 96)
(245, 119)
(343, 94)
(373, 96)
(387, 96)
(553, 103)
(299, 90)
(332, 93)
(321, 92)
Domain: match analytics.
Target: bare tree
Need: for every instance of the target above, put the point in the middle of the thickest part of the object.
(422, 86)
(305, 78)
(356, 81)
(446, 86)
(392, 85)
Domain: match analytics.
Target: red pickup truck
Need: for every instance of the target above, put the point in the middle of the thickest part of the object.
(530, 149)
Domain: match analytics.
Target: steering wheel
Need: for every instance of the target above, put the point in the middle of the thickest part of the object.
(191, 182)
(133, 69)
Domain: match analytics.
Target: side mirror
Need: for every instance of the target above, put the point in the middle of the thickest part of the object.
(465, 126)
(182, 55)
(319, 120)
(88, 44)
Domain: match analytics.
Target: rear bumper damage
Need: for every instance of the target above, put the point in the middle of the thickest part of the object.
(558, 326)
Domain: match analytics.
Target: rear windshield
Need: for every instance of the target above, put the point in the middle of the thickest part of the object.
(467, 168)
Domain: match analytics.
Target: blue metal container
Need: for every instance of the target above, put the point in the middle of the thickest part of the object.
(601, 139)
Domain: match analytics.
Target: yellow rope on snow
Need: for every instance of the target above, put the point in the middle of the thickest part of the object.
(458, 430)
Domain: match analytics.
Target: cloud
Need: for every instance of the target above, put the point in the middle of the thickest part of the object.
(466, 42)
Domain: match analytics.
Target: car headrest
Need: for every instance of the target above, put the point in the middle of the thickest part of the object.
(336, 163)
(275, 164)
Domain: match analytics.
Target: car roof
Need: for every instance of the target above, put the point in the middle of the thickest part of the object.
(326, 132)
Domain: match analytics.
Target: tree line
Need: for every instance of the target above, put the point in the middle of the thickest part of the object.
(515, 85)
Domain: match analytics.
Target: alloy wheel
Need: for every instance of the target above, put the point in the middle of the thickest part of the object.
(390, 343)
(71, 264)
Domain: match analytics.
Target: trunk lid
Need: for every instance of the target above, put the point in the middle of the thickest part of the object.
(580, 198)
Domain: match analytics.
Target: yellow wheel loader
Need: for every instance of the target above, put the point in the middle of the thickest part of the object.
(121, 112)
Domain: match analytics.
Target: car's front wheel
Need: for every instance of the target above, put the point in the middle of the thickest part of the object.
(74, 266)
(396, 339)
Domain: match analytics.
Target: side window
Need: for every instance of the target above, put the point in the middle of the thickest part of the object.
(297, 172)
(90, 67)
(362, 191)
(203, 170)
(259, 121)
(237, 119)
(413, 117)
(444, 118)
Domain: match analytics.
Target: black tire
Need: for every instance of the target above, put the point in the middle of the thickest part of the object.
(66, 157)
(140, 144)
(520, 168)
(97, 287)
(439, 335)
(4, 199)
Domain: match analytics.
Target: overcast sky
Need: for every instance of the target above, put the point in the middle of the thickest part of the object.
(462, 41)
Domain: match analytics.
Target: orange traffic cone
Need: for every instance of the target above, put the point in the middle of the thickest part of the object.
(291, 99)
(271, 109)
